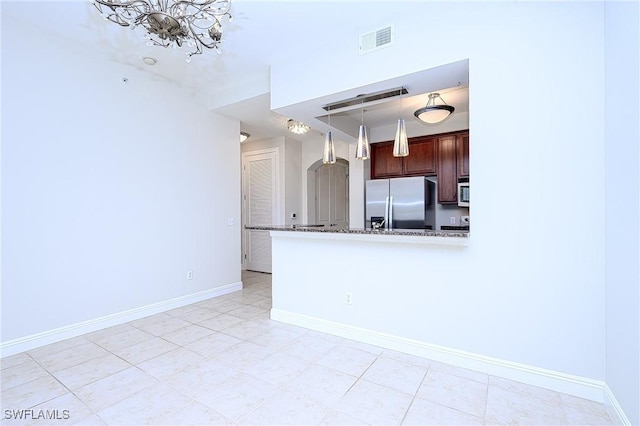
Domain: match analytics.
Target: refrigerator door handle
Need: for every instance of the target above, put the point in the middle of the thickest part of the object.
(386, 212)
(390, 222)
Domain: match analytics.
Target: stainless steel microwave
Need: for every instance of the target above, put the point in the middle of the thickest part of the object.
(463, 194)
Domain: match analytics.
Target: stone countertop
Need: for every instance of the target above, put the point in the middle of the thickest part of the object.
(360, 231)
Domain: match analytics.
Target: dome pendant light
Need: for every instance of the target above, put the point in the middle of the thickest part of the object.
(362, 149)
(329, 152)
(432, 113)
(401, 144)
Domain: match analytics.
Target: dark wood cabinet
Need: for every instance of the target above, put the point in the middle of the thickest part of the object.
(420, 162)
(462, 147)
(447, 170)
(422, 157)
(383, 163)
(445, 156)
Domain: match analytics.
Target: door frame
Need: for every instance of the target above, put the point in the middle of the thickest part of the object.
(244, 188)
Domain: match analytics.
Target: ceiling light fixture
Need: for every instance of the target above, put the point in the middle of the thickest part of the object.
(297, 127)
(329, 151)
(149, 60)
(401, 143)
(362, 149)
(432, 113)
(244, 136)
(196, 24)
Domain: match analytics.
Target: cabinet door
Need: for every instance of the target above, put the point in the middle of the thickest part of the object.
(422, 158)
(463, 155)
(447, 170)
(383, 163)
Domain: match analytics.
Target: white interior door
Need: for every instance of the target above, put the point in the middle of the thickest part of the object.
(332, 204)
(261, 206)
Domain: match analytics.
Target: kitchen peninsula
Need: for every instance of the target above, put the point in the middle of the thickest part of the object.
(387, 288)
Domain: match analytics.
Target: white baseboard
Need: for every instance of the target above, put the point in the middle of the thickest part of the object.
(26, 343)
(560, 382)
(615, 410)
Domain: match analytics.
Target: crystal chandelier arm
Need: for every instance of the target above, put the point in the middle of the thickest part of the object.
(202, 20)
(123, 13)
(214, 7)
(201, 11)
(215, 36)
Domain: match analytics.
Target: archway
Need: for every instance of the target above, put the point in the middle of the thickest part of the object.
(328, 193)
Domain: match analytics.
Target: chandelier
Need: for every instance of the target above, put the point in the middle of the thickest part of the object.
(297, 127)
(196, 24)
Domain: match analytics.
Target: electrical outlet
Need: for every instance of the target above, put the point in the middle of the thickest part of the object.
(348, 298)
(452, 220)
(189, 275)
(231, 221)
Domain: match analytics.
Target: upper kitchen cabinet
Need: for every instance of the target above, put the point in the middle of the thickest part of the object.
(453, 163)
(445, 156)
(462, 147)
(383, 163)
(447, 170)
(420, 162)
(422, 157)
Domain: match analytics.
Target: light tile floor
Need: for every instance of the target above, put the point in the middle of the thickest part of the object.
(223, 361)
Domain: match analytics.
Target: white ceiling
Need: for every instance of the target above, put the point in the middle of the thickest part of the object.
(236, 83)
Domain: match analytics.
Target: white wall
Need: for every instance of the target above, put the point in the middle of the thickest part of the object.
(530, 291)
(111, 192)
(622, 160)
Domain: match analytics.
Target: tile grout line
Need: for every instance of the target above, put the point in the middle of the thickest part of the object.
(415, 395)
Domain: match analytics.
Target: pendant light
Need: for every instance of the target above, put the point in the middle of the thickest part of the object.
(362, 149)
(329, 152)
(400, 143)
(432, 113)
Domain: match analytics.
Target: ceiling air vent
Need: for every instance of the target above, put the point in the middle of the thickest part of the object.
(377, 39)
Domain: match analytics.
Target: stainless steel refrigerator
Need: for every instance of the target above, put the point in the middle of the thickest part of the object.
(400, 203)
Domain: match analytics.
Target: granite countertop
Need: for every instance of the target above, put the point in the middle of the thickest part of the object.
(361, 231)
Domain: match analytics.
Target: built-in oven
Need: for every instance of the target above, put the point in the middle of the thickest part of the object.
(463, 192)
